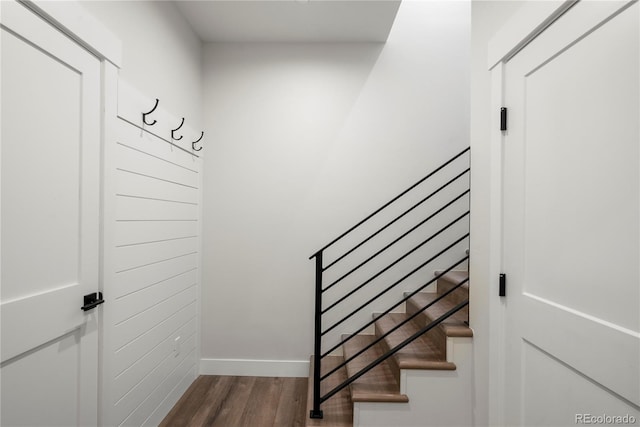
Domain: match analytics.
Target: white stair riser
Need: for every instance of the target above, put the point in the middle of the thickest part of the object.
(436, 398)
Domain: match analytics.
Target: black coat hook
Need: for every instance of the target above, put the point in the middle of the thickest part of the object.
(172, 131)
(144, 115)
(193, 144)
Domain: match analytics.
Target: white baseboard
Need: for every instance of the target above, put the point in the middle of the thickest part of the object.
(255, 368)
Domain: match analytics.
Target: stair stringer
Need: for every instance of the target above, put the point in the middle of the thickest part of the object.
(436, 397)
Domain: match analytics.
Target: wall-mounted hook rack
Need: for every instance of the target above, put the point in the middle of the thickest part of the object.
(144, 115)
(173, 131)
(193, 144)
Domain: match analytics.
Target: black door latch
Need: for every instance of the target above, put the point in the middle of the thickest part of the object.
(92, 301)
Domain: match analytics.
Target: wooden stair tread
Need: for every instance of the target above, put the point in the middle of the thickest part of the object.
(419, 354)
(377, 385)
(338, 410)
(454, 276)
(454, 326)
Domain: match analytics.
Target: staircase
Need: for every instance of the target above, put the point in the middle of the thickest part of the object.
(409, 365)
(410, 388)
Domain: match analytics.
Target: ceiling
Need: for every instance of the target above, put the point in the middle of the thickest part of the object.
(290, 20)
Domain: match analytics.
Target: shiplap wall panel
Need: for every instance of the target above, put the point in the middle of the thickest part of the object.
(136, 161)
(173, 370)
(153, 263)
(138, 209)
(128, 306)
(142, 322)
(126, 357)
(165, 160)
(134, 232)
(139, 402)
(131, 281)
(135, 256)
(132, 185)
(144, 366)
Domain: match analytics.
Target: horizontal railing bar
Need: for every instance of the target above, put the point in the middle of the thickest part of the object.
(396, 283)
(394, 350)
(402, 236)
(415, 248)
(392, 200)
(392, 330)
(403, 300)
(393, 221)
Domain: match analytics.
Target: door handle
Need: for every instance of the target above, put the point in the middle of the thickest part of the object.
(92, 301)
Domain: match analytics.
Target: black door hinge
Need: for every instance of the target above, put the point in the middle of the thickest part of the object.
(503, 285)
(503, 118)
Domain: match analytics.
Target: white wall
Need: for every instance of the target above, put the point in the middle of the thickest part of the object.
(306, 139)
(487, 17)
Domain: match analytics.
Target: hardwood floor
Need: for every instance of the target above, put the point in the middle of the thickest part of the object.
(241, 402)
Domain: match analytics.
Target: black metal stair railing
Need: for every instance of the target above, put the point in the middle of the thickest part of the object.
(444, 249)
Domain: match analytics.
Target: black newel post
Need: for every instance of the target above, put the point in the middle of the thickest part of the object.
(317, 346)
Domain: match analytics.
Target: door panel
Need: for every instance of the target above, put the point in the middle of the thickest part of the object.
(42, 212)
(571, 219)
(50, 223)
(541, 401)
(581, 210)
(32, 380)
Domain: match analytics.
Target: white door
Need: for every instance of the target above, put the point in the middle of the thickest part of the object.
(571, 221)
(50, 145)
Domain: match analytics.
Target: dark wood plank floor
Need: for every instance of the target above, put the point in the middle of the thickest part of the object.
(241, 402)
